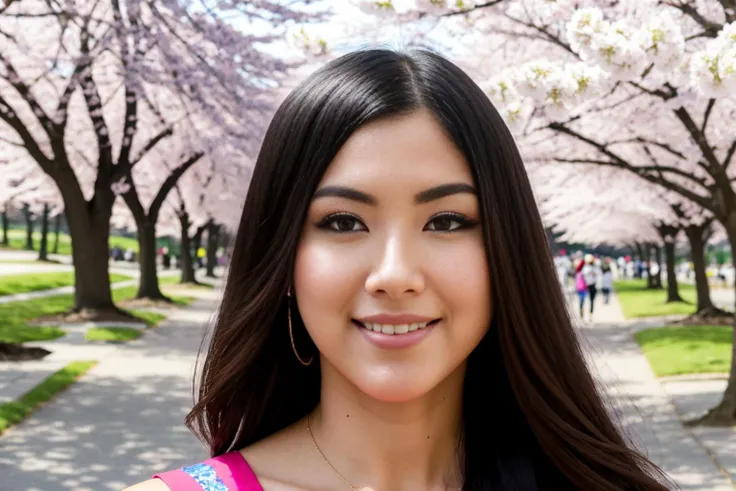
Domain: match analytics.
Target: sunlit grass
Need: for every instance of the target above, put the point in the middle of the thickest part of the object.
(637, 300)
(31, 282)
(112, 334)
(692, 349)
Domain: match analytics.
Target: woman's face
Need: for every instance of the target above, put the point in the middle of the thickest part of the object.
(393, 242)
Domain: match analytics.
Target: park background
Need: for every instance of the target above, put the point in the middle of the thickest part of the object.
(129, 130)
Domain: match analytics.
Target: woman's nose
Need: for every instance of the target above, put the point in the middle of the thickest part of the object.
(397, 271)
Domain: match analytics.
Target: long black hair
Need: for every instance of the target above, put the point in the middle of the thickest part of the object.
(532, 416)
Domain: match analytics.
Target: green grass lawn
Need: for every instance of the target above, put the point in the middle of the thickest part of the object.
(13, 412)
(17, 240)
(685, 350)
(15, 316)
(114, 334)
(31, 282)
(638, 301)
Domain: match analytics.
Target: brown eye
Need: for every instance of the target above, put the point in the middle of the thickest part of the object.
(449, 222)
(443, 224)
(342, 223)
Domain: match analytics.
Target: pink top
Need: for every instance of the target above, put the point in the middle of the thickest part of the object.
(228, 472)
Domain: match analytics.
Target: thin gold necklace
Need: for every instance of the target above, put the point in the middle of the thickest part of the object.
(311, 435)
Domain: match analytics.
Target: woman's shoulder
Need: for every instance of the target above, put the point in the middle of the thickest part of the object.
(229, 471)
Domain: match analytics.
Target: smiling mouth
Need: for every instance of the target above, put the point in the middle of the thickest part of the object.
(395, 329)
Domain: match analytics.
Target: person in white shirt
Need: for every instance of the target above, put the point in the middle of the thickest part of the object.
(606, 280)
(591, 275)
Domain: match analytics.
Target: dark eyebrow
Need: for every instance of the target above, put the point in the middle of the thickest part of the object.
(438, 192)
(425, 196)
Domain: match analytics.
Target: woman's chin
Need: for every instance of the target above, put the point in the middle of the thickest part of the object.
(393, 390)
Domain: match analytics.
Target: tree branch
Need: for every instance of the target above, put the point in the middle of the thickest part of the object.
(711, 103)
(480, 6)
(729, 155)
(168, 131)
(710, 157)
(7, 5)
(130, 121)
(711, 28)
(169, 183)
(11, 118)
(94, 108)
(618, 162)
(661, 145)
(25, 92)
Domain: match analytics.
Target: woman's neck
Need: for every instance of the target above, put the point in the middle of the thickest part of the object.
(390, 446)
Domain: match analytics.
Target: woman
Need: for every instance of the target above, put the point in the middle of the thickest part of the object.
(581, 286)
(391, 319)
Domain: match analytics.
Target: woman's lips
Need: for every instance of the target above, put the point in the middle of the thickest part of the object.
(408, 335)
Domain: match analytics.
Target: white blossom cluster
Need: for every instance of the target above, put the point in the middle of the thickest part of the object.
(614, 52)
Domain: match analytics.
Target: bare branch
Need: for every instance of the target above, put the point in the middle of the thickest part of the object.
(168, 131)
(7, 5)
(11, 118)
(169, 183)
(663, 146)
(130, 123)
(700, 139)
(25, 92)
(729, 155)
(711, 103)
(644, 172)
(711, 28)
(480, 6)
(657, 93)
(94, 109)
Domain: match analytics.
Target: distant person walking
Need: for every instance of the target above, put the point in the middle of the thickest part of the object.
(580, 286)
(591, 275)
(606, 281)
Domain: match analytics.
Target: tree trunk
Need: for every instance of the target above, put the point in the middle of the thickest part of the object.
(668, 233)
(43, 253)
(673, 294)
(57, 229)
(89, 228)
(197, 242)
(29, 226)
(657, 280)
(5, 241)
(185, 260)
(724, 414)
(213, 240)
(148, 286)
(647, 257)
(697, 250)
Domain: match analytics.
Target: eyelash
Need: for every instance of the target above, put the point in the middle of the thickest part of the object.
(463, 221)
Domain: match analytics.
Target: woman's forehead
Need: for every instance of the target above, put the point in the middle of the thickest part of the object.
(404, 148)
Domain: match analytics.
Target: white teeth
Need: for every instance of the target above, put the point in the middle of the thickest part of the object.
(396, 328)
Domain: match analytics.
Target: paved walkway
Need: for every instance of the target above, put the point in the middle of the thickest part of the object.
(698, 459)
(122, 421)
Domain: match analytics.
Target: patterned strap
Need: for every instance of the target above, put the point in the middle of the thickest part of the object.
(228, 472)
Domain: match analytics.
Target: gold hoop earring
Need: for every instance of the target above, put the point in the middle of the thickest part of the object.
(291, 333)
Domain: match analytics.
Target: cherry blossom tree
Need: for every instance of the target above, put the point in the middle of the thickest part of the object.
(206, 200)
(648, 87)
(80, 91)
